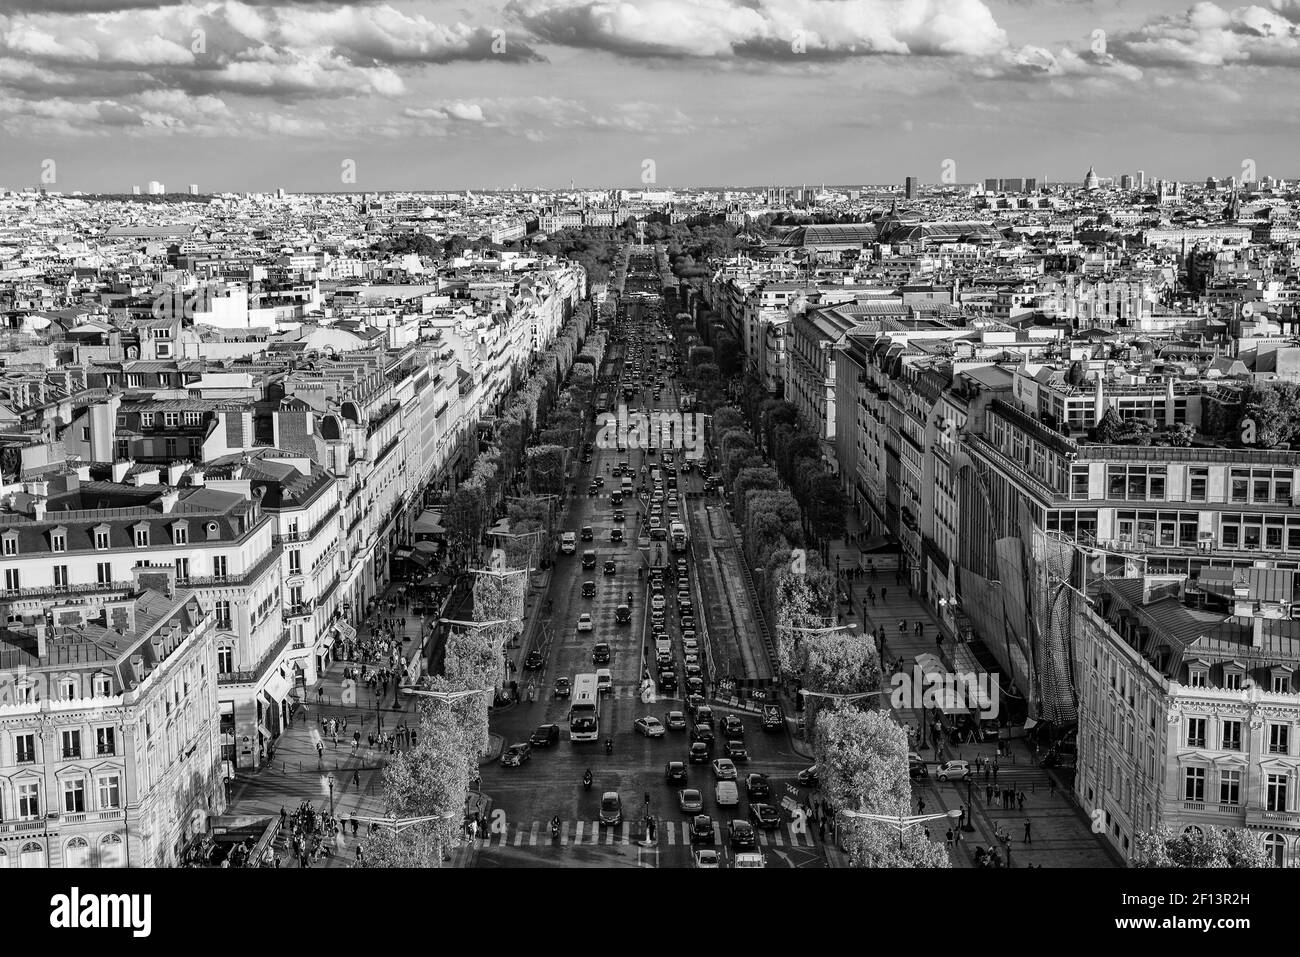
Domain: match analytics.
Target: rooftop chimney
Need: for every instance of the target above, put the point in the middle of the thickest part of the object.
(1169, 403)
(41, 647)
(174, 472)
(120, 468)
(38, 509)
(168, 500)
(1098, 403)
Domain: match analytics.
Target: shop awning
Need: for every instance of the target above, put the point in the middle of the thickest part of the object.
(427, 547)
(429, 523)
(346, 631)
(402, 553)
(418, 556)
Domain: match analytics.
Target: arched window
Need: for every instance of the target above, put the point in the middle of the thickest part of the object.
(110, 851)
(1275, 848)
(76, 853)
(32, 855)
(1192, 830)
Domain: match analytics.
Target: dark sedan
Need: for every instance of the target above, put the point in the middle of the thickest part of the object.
(699, 753)
(757, 787)
(764, 816)
(545, 736)
(702, 829)
(743, 836)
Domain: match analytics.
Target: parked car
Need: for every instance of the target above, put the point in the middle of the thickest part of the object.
(516, 754)
(545, 736)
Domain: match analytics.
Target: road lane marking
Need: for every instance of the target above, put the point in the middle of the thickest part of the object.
(519, 835)
(532, 835)
(609, 836)
(564, 833)
(577, 832)
(625, 830)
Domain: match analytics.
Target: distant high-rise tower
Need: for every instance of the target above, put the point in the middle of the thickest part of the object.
(1091, 180)
(911, 187)
(194, 189)
(1031, 184)
(135, 190)
(1142, 179)
(992, 185)
(279, 193)
(156, 188)
(1126, 181)
(1013, 185)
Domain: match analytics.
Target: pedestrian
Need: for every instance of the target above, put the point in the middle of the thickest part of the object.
(882, 591)
(282, 815)
(920, 805)
(988, 792)
(821, 829)
(1027, 841)
(1021, 798)
(354, 824)
(358, 853)
(371, 737)
(356, 777)
(320, 750)
(948, 839)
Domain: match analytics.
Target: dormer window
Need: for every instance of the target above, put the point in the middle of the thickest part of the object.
(180, 533)
(192, 418)
(59, 539)
(1233, 680)
(68, 689)
(103, 686)
(1198, 677)
(141, 536)
(1280, 680)
(171, 419)
(101, 537)
(9, 542)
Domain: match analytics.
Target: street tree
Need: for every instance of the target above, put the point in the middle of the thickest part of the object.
(837, 662)
(1217, 847)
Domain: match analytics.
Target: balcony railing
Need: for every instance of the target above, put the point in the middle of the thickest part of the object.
(255, 674)
(231, 581)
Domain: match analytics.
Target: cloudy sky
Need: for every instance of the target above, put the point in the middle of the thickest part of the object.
(431, 94)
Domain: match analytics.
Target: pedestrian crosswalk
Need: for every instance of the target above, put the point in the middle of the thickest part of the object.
(593, 833)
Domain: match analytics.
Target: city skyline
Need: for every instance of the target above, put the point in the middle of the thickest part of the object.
(424, 94)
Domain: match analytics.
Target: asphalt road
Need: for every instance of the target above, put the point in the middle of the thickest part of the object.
(524, 799)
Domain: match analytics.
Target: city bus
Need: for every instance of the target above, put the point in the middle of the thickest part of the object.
(678, 533)
(584, 709)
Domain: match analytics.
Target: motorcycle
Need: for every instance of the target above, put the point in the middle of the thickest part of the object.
(609, 746)
(555, 829)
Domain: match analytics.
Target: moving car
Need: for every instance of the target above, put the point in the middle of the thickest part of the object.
(726, 794)
(724, 769)
(587, 533)
(600, 653)
(588, 559)
(690, 800)
(675, 772)
(563, 687)
(699, 753)
(736, 750)
(604, 681)
(675, 721)
(584, 622)
(649, 726)
(733, 727)
(623, 614)
(668, 681)
(704, 714)
(742, 835)
(615, 535)
(764, 816)
(588, 589)
(568, 543)
(545, 736)
(707, 859)
(611, 809)
(702, 732)
(610, 568)
(702, 829)
(516, 755)
(534, 660)
(757, 787)
(953, 771)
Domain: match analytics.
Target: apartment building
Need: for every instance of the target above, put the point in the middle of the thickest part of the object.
(109, 753)
(1189, 706)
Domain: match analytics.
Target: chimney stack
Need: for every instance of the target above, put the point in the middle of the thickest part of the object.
(120, 468)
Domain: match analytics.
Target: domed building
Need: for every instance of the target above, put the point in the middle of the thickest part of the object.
(1091, 181)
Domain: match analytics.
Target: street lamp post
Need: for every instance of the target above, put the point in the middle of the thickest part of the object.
(329, 779)
(901, 821)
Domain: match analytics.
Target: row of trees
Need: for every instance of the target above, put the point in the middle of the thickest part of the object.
(535, 403)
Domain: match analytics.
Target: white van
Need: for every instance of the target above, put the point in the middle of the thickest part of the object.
(569, 543)
(726, 794)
